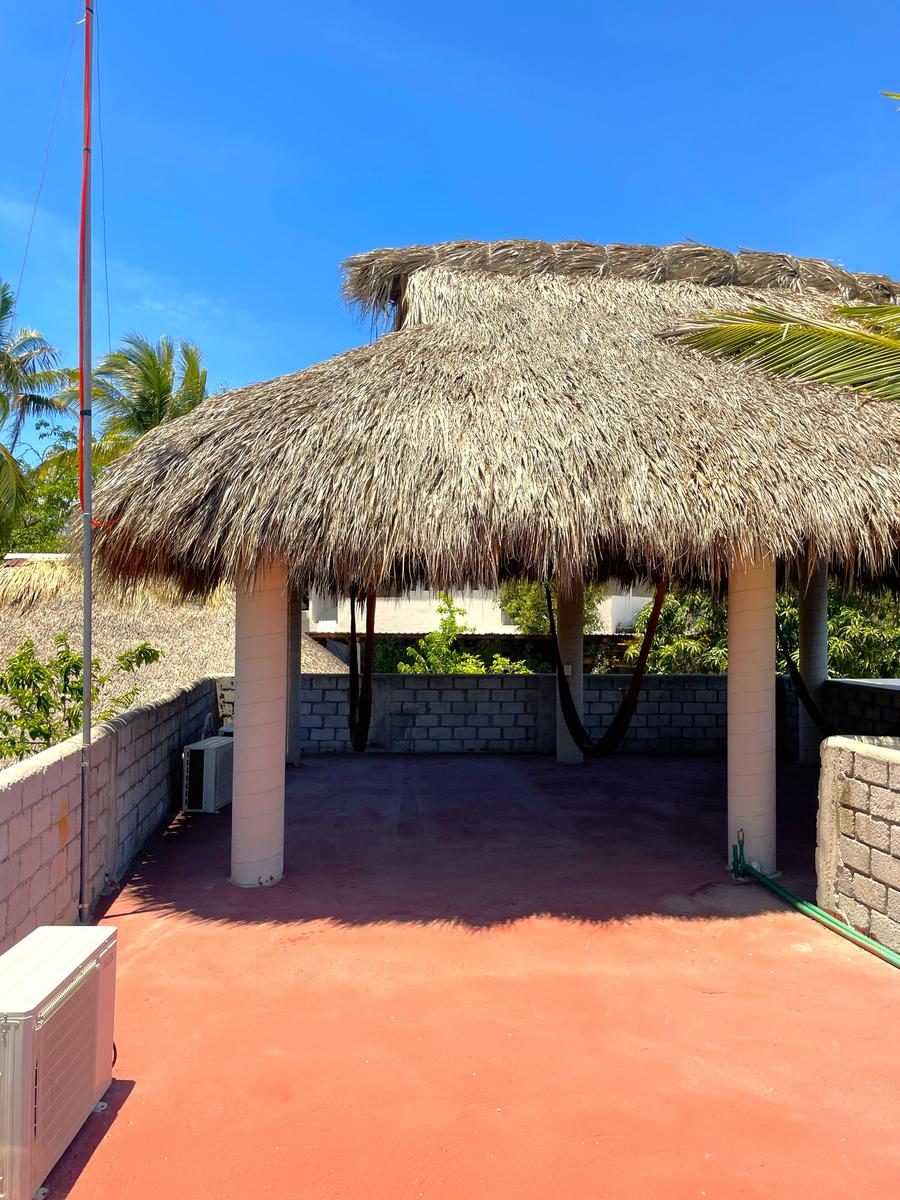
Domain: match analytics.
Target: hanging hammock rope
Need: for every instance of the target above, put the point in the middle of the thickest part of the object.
(360, 697)
(826, 727)
(360, 708)
(618, 727)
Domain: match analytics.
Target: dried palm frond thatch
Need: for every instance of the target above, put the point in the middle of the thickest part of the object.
(41, 598)
(527, 420)
(28, 581)
(375, 280)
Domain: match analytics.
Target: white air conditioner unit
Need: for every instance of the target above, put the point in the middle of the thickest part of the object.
(207, 780)
(57, 996)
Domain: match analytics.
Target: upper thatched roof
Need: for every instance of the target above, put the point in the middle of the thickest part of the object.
(526, 420)
(376, 280)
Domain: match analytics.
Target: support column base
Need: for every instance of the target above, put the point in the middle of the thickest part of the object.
(259, 882)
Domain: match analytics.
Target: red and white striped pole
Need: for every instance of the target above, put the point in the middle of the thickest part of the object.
(84, 460)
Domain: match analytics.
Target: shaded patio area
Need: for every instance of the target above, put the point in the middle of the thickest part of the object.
(491, 977)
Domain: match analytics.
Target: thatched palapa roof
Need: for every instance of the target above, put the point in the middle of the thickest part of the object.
(40, 598)
(526, 420)
(376, 280)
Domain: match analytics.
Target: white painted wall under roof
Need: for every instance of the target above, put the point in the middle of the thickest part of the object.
(417, 613)
(619, 609)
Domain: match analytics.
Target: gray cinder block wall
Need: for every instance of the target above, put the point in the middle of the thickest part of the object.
(510, 713)
(676, 713)
(225, 692)
(135, 782)
(864, 707)
(858, 838)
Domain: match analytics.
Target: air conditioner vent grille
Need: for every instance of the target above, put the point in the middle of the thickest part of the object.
(207, 781)
(57, 1007)
(66, 1052)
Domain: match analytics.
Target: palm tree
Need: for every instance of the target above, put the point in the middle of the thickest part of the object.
(137, 387)
(143, 385)
(860, 349)
(30, 378)
(30, 386)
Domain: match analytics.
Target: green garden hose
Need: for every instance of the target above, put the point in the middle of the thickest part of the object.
(743, 870)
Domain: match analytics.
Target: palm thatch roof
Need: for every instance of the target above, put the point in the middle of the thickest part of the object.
(376, 280)
(527, 420)
(31, 580)
(40, 598)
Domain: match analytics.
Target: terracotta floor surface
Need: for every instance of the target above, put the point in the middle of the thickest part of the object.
(493, 978)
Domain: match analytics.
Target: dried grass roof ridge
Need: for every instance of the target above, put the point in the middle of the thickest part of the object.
(374, 280)
(527, 420)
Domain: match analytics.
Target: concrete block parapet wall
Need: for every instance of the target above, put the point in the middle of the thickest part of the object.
(225, 692)
(683, 714)
(858, 837)
(512, 713)
(433, 713)
(864, 707)
(135, 783)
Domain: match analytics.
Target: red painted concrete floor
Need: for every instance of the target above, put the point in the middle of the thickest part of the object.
(491, 978)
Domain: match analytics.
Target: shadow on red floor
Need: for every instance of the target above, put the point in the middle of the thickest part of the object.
(62, 1180)
(484, 840)
(493, 979)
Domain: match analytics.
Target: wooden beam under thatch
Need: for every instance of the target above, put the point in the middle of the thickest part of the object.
(527, 421)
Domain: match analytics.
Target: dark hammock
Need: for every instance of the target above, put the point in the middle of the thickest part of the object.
(361, 698)
(618, 727)
(826, 728)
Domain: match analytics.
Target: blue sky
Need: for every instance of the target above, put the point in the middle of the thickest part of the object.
(248, 149)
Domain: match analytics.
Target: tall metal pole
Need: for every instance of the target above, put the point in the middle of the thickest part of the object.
(85, 438)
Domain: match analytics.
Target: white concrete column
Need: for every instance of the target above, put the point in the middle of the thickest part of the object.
(294, 678)
(751, 710)
(813, 656)
(570, 633)
(257, 811)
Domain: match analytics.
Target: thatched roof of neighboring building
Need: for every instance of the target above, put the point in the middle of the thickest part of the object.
(41, 598)
(527, 420)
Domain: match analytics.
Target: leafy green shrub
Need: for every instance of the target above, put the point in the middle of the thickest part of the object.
(526, 604)
(437, 652)
(692, 637)
(40, 702)
(51, 494)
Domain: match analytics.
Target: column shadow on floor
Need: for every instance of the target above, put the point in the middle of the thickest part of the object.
(484, 840)
(65, 1174)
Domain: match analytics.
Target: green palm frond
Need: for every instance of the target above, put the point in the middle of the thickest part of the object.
(884, 317)
(14, 490)
(31, 381)
(142, 385)
(104, 450)
(862, 356)
(7, 310)
(193, 378)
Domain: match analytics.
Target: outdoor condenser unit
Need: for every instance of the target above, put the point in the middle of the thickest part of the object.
(57, 996)
(207, 775)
